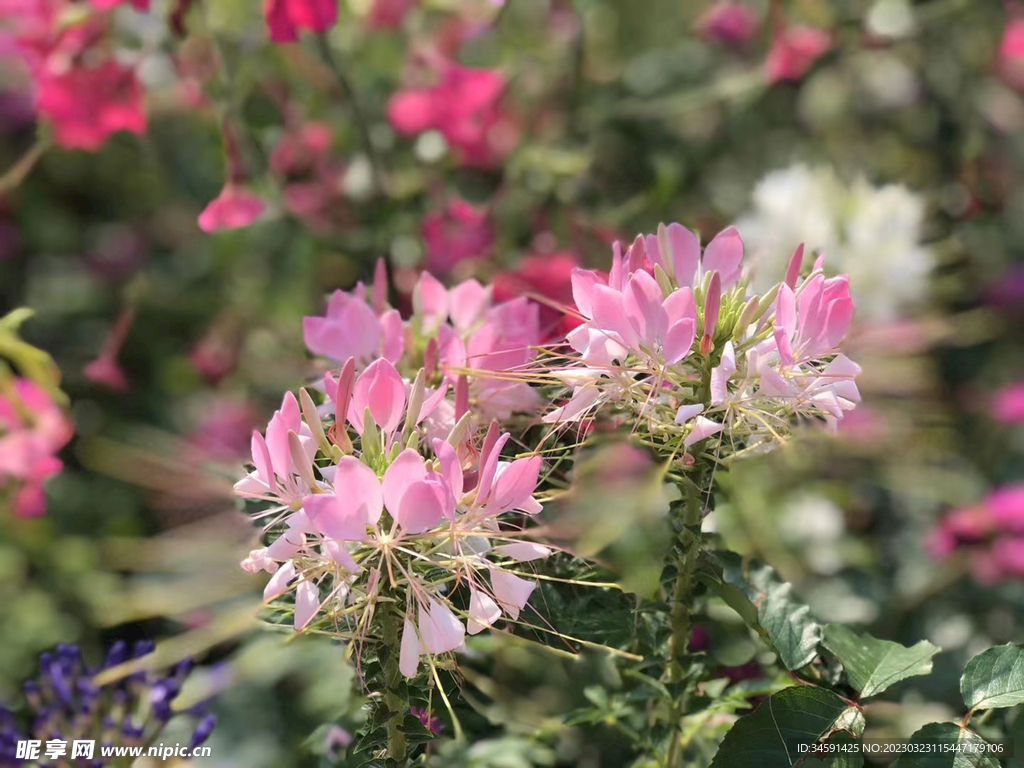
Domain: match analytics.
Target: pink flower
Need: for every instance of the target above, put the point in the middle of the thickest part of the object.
(454, 233)
(1008, 404)
(87, 104)
(728, 22)
(106, 5)
(1010, 59)
(235, 207)
(815, 323)
(106, 371)
(33, 429)
(286, 17)
(351, 328)
(549, 277)
(380, 390)
(794, 51)
(464, 106)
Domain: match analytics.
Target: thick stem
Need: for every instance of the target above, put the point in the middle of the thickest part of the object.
(679, 642)
(396, 695)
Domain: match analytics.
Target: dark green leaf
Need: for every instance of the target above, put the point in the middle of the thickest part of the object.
(872, 665)
(994, 678)
(769, 737)
(784, 621)
(933, 736)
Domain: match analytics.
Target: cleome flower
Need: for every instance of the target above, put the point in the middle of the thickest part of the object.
(371, 515)
(676, 339)
(453, 334)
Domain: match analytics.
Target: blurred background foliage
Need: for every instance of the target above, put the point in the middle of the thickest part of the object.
(626, 115)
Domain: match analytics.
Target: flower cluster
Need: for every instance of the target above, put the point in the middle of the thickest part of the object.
(460, 336)
(80, 87)
(991, 534)
(674, 338)
(369, 519)
(65, 703)
(33, 428)
(391, 498)
(464, 105)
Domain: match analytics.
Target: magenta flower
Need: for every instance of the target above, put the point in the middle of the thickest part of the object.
(729, 22)
(545, 279)
(1010, 58)
(455, 233)
(286, 17)
(464, 106)
(87, 104)
(794, 51)
(1008, 404)
(233, 208)
(33, 428)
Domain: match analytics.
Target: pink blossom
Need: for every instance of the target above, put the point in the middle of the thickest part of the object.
(1010, 58)
(794, 51)
(351, 328)
(548, 277)
(235, 207)
(1008, 404)
(728, 22)
(87, 104)
(106, 5)
(105, 370)
(380, 390)
(454, 233)
(286, 17)
(464, 106)
(33, 428)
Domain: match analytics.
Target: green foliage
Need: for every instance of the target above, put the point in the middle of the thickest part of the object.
(946, 745)
(872, 665)
(768, 738)
(768, 605)
(994, 678)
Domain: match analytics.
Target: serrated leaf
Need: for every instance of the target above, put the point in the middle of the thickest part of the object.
(768, 737)
(782, 619)
(871, 664)
(945, 733)
(994, 678)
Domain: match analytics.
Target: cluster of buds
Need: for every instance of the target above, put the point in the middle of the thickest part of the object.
(33, 428)
(675, 340)
(370, 515)
(66, 704)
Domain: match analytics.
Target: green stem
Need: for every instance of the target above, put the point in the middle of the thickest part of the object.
(10, 180)
(396, 695)
(679, 643)
(358, 115)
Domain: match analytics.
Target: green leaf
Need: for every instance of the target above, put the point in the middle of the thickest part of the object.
(784, 621)
(936, 734)
(994, 678)
(768, 737)
(872, 665)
